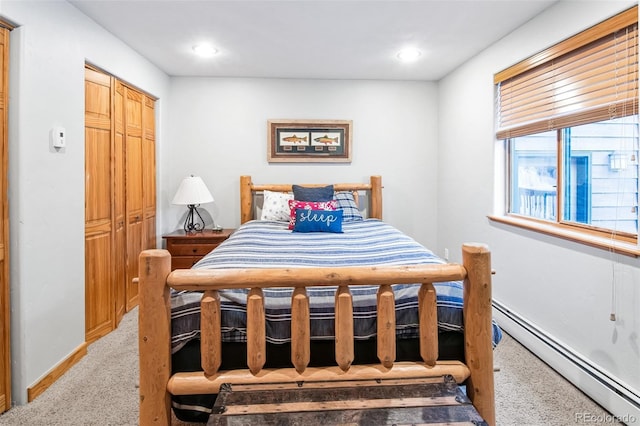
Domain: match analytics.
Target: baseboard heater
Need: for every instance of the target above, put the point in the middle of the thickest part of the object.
(621, 389)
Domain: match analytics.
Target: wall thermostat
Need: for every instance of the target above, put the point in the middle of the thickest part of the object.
(58, 137)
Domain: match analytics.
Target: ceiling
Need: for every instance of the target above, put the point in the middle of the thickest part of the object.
(328, 39)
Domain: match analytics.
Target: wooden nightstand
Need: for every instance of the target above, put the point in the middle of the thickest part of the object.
(187, 248)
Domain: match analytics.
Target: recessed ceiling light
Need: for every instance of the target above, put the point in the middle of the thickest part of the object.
(204, 50)
(409, 54)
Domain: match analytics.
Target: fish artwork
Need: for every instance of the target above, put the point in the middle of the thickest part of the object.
(327, 140)
(295, 139)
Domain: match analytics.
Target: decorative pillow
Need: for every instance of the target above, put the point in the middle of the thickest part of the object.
(276, 206)
(323, 193)
(318, 221)
(309, 205)
(348, 205)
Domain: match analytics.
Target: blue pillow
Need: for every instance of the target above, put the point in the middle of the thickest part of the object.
(318, 221)
(303, 193)
(347, 204)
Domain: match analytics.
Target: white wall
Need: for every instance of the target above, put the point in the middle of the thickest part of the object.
(218, 130)
(564, 288)
(46, 189)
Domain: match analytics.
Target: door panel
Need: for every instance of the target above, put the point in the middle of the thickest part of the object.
(134, 190)
(149, 173)
(119, 201)
(134, 245)
(99, 312)
(99, 291)
(97, 175)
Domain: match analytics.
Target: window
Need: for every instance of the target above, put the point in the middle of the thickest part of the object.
(569, 120)
(599, 175)
(534, 180)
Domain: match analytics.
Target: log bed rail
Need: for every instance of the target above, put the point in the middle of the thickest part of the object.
(156, 278)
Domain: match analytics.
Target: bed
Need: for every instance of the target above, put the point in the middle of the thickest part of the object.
(313, 307)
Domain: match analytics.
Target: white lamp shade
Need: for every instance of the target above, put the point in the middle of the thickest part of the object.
(192, 190)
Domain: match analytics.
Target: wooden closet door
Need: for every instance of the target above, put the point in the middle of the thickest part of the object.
(5, 352)
(120, 209)
(149, 173)
(134, 190)
(99, 305)
(119, 205)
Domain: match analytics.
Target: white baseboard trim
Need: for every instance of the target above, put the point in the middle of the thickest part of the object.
(611, 393)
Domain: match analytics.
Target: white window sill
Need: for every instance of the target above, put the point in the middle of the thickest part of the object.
(586, 237)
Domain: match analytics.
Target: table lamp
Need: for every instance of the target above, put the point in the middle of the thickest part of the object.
(191, 193)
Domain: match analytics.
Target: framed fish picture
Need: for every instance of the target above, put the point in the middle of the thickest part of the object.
(309, 141)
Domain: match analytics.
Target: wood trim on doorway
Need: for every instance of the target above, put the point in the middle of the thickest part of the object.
(5, 303)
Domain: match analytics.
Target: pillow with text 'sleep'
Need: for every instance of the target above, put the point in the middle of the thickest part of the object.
(309, 205)
(318, 221)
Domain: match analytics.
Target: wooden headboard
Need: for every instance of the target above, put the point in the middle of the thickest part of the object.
(248, 190)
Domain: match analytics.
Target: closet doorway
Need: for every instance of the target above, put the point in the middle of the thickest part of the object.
(120, 210)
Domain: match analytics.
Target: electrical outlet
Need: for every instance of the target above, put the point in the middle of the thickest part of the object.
(446, 254)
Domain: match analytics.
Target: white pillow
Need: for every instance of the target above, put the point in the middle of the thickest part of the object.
(276, 206)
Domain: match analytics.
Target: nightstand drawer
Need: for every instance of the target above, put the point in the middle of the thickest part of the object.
(187, 248)
(190, 249)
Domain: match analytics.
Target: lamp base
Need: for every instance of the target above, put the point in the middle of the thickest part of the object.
(190, 223)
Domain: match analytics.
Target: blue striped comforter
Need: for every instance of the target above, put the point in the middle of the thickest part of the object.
(264, 244)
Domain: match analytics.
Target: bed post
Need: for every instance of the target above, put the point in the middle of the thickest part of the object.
(246, 199)
(376, 197)
(154, 326)
(476, 259)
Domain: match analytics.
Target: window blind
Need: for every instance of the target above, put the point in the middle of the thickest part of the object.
(590, 77)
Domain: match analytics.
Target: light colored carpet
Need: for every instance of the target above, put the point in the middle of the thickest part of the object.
(102, 389)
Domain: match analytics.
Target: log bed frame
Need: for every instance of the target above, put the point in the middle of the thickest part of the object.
(155, 279)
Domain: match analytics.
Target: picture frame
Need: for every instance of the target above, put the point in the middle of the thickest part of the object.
(310, 141)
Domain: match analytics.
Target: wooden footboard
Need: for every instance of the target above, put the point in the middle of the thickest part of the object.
(156, 381)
